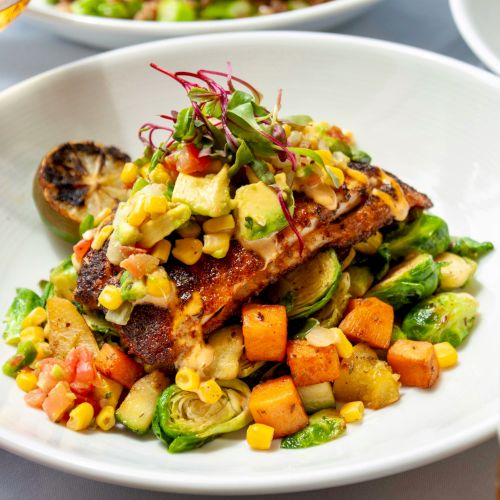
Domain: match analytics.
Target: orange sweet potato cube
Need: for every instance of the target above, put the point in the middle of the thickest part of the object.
(312, 365)
(415, 361)
(265, 332)
(369, 320)
(277, 403)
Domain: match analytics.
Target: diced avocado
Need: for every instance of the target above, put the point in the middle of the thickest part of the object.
(317, 396)
(208, 195)
(131, 289)
(64, 278)
(258, 211)
(157, 229)
(137, 409)
(126, 233)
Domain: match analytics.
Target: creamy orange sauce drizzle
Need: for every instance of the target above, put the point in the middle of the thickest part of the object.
(398, 206)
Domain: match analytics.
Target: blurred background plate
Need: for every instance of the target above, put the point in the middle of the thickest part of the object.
(479, 24)
(431, 120)
(112, 33)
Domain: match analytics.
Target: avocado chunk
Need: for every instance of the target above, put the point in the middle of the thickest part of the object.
(258, 211)
(208, 195)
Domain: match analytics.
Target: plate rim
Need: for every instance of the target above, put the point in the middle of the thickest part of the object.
(168, 28)
(472, 37)
(59, 459)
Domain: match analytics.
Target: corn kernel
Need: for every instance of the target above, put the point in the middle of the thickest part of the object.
(137, 215)
(101, 237)
(216, 245)
(144, 170)
(158, 284)
(105, 420)
(446, 354)
(353, 411)
(105, 212)
(80, 417)
(155, 204)
(26, 381)
(223, 224)
(325, 155)
(260, 436)
(110, 297)
(187, 379)
(33, 333)
(43, 350)
(189, 229)
(343, 346)
(209, 392)
(129, 173)
(188, 250)
(287, 129)
(159, 175)
(347, 261)
(35, 318)
(162, 250)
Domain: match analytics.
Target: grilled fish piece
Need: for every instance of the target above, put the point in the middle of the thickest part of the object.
(162, 336)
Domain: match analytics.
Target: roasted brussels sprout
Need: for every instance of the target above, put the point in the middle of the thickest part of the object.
(323, 426)
(363, 377)
(414, 279)
(306, 327)
(428, 233)
(446, 317)
(361, 280)
(331, 314)
(24, 302)
(184, 422)
(397, 334)
(247, 367)
(454, 271)
(308, 288)
(467, 247)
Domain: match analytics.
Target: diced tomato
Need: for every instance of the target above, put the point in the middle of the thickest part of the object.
(59, 400)
(81, 249)
(189, 161)
(336, 133)
(139, 265)
(128, 251)
(35, 398)
(81, 370)
(50, 372)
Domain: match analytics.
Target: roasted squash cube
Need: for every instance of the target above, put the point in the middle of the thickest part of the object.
(277, 403)
(415, 361)
(264, 332)
(312, 365)
(369, 320)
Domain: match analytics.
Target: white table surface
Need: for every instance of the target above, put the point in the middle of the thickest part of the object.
(26, 51)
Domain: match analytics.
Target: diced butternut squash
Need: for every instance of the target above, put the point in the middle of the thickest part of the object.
(415, 361)
(277, 403)
(115, 364)
(369, 320)
(67, 328)
(312, 365)
(265, 332)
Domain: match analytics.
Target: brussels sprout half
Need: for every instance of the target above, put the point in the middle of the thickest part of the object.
(454, 271)
(414, 279)
(446, 317)
(308, 288)
(331, 314)
(467, 247)
(184, 422)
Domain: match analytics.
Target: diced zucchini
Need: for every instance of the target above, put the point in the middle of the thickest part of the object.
(137, 410)
(317, 397)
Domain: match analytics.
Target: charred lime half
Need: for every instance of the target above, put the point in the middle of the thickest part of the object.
(76, 179)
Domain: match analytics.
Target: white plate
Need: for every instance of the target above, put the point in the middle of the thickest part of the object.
(431, 120)
(478, 22)
(113, 33)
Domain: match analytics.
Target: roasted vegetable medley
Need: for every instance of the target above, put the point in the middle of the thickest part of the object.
(181, 10)
(300, 360)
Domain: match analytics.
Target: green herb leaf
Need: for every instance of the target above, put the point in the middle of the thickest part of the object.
(243, 156)
(185, 129)
(317, 159)
(299, 120)
(261, 170)
(86, 224)
(156, 158)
